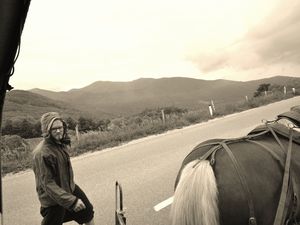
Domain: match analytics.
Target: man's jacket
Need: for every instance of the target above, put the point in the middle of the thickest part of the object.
(53, 174)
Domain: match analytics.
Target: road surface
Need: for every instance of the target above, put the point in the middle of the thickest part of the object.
(146, 168)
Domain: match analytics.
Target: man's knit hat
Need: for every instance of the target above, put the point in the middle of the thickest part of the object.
(47, 120)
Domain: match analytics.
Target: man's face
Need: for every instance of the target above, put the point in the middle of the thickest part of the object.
(57, 130)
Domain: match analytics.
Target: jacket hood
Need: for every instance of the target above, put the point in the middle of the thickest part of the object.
(47, 120)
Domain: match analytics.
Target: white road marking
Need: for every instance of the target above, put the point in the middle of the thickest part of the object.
(163, 204)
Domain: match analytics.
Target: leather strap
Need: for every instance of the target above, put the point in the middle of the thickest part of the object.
(240, 172)
(279, 218)
(293, 188)
(276, 137)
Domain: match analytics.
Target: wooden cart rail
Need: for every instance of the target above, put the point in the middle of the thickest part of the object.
(120, 218)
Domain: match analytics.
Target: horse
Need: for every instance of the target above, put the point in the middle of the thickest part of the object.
(249, 180)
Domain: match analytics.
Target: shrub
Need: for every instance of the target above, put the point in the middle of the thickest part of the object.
(192, 117)
(15, 154)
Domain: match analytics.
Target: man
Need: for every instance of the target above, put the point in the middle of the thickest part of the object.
(61, 199)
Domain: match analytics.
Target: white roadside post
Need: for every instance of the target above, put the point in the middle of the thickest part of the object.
(284, 90)
(163, 116)
(213, 106)
(294, 91)
(211, 111)
(77, 132)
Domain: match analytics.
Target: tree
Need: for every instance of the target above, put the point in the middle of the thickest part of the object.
(37, 129)
(7, 128)
(23, 128)
(26, 129)
(103, 124)
(71, 123)
(261, 89)
(86, 124)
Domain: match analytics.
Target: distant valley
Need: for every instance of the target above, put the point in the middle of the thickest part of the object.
(103, 99)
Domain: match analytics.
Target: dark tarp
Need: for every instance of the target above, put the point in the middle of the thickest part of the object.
(12, 18)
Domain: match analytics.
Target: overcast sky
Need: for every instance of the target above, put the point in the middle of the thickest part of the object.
(72, 43)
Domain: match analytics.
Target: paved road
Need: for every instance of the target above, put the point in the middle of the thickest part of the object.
(146, 169)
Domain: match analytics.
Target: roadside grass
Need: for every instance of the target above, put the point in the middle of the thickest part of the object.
(16, 152)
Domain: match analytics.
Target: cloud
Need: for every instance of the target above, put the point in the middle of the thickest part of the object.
(276, 40)
(211, 62)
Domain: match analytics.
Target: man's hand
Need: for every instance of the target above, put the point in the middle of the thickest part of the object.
(79, 205)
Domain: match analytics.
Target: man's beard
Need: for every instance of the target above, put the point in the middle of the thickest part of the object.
(57, 137)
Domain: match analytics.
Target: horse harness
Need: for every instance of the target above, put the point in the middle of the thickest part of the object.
(289, 188)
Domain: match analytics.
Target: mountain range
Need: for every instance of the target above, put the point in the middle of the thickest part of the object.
(105, 99)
